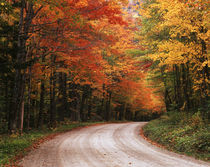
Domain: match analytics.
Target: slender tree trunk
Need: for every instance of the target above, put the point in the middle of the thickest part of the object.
(29, 101)
(33, 108)
(124, 111)
(82, 114)
(41, 105)
(63, 96)
(42, 98)
(52, 102)
(117, 115)
(102, 111)
(177, 85)
(108, 106)
(52, 94)
(78, 118)
(185, 88)
(167, 98)
(64, 99)
(90, 103)
(25, 20)
(71, 104)
(75, 101)
(205, 78)
(16, 98)
(21, 117)
(7, 99)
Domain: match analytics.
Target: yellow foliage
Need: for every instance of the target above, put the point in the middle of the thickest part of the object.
(82, 3)
(186, 38)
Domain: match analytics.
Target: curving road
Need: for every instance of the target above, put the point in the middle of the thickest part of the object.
(108, 145)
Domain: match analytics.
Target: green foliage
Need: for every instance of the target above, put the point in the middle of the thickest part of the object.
(11, 146)
(182, 133)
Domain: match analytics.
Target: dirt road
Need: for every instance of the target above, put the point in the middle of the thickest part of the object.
(108, 145)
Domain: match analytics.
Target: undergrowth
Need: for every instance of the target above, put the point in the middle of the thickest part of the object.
(182, 133)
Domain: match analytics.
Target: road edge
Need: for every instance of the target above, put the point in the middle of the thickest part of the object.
(166, 150)
(14, 161)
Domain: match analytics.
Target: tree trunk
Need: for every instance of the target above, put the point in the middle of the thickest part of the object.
(17, 90)
(82, 114)
(25, 20)
(124, 111)
(108, 106)
(78, 103)
(90, 103)
(29, 100)
(52, 102)
(63, 97)
(52, 95)
(41, 105)
(167, 98)
(6, 101)
(205, 78)
(102, 111)
(177, 87)
(42, 97)
(185, 88)
(21, 117)
(33, 108)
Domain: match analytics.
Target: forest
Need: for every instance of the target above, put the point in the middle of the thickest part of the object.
(99, 60)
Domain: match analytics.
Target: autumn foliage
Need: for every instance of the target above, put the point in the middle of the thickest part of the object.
(74, 61)
(177, 36)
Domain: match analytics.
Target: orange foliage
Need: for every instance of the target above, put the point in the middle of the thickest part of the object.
(83, 34)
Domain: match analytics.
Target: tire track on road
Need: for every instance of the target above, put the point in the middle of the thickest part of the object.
(108, 145)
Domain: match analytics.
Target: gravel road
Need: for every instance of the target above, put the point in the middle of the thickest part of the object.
(107, 145)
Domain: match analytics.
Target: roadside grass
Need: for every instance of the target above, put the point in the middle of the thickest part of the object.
(13, 147)
(182, 133)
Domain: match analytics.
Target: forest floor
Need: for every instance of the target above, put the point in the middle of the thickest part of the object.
(107, 145)
(181, 133)
(14, 147)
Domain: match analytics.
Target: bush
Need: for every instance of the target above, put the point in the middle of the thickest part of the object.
(197, 120)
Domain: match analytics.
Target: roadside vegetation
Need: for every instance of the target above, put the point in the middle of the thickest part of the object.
(176, 34)
(182, 133)
(13, 147)
(99, 60)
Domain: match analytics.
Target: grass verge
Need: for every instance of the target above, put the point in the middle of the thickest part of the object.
(14, 147)
(182, 133)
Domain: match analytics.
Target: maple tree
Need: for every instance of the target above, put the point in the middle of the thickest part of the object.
(176, 37)
(75, 60)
